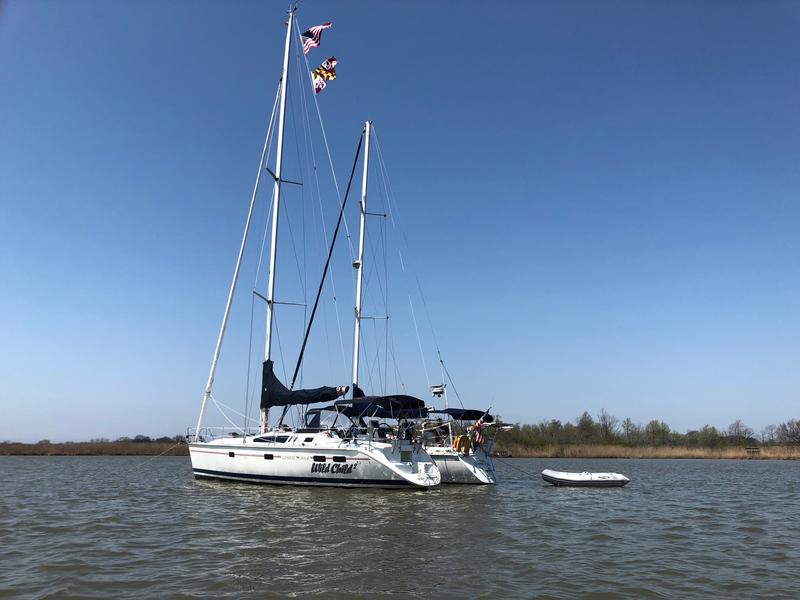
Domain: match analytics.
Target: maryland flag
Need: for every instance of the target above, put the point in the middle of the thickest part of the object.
(324, 73)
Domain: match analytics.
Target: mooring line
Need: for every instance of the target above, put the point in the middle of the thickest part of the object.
(147, 460)
(528, 473)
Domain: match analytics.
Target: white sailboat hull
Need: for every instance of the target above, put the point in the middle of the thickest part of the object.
(455, 467)
(338, 463)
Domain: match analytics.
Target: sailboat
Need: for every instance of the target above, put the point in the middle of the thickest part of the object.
(462, 454)
(321, 452)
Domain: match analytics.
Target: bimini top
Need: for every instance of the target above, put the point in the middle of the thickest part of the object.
(466, 414)
(383, 407)
(274, 393)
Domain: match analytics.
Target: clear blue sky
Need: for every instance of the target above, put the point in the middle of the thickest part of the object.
(602, 198)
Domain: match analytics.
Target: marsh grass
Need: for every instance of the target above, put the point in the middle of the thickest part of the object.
(95, 449)
(516, 450)
(621, 451)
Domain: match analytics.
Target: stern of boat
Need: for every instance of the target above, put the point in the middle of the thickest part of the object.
(409, 461)
(456, 467)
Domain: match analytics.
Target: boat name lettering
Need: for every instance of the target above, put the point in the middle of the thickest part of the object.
(333, 467)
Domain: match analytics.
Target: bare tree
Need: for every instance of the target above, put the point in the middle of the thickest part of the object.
(739, 430)
(789, 432)
(631, 431)
(768, 434)
(608, 425)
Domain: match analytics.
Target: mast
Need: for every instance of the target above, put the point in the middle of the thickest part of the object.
(359, 264)
(277, 201)
(232, 291)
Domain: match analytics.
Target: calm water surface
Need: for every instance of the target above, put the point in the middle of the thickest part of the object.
(105, 527)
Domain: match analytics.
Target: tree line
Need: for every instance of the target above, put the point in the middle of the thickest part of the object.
(608, 429)
(139, 439)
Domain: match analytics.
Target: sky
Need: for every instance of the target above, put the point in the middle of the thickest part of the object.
(600, 200)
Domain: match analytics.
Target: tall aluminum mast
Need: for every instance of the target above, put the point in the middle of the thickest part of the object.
(359, 264)
(232, 291)
(277, 201)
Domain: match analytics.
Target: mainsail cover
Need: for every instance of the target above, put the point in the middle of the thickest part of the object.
(466, 414)
(274, 393)
(398, 406)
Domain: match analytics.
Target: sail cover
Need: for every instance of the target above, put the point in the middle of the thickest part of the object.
(466, 414)
(378, 412)
(387, 407)
(274, 393)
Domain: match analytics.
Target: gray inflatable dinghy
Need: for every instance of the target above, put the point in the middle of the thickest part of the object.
(584, 479)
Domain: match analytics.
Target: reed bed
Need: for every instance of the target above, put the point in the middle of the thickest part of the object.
(620, 451)
(515, 450)
(95, 449)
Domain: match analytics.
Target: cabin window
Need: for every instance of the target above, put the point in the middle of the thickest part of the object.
(265, 440)
(339, 459)
(231, 454)
(281, 439)
(268, 457)
(319, 459)
(308, 440)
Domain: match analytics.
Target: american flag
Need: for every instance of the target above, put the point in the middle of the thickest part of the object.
(312, 37)
(478, 429)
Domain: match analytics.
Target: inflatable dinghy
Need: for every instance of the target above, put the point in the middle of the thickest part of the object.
(585, 479)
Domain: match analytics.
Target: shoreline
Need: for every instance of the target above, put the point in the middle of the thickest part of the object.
(95, 449)
(639, 452)
(503, 451)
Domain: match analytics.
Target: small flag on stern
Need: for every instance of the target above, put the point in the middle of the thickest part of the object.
(311, 38)
(324, 73)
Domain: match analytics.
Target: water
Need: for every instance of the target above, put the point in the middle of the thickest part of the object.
(134, 527)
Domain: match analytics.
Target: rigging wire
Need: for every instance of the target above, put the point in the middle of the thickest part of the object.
(327, 263)
(221, 404)
(394, 215)
(377, 361)
(302, 272)
(373, 275)
(268, 142)
(386, 306)
(450, 379)
(280, 348)
(288, 219)
(376, 247)
(224, 414)
(419, 341)
(310, 146)
(328, 150)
